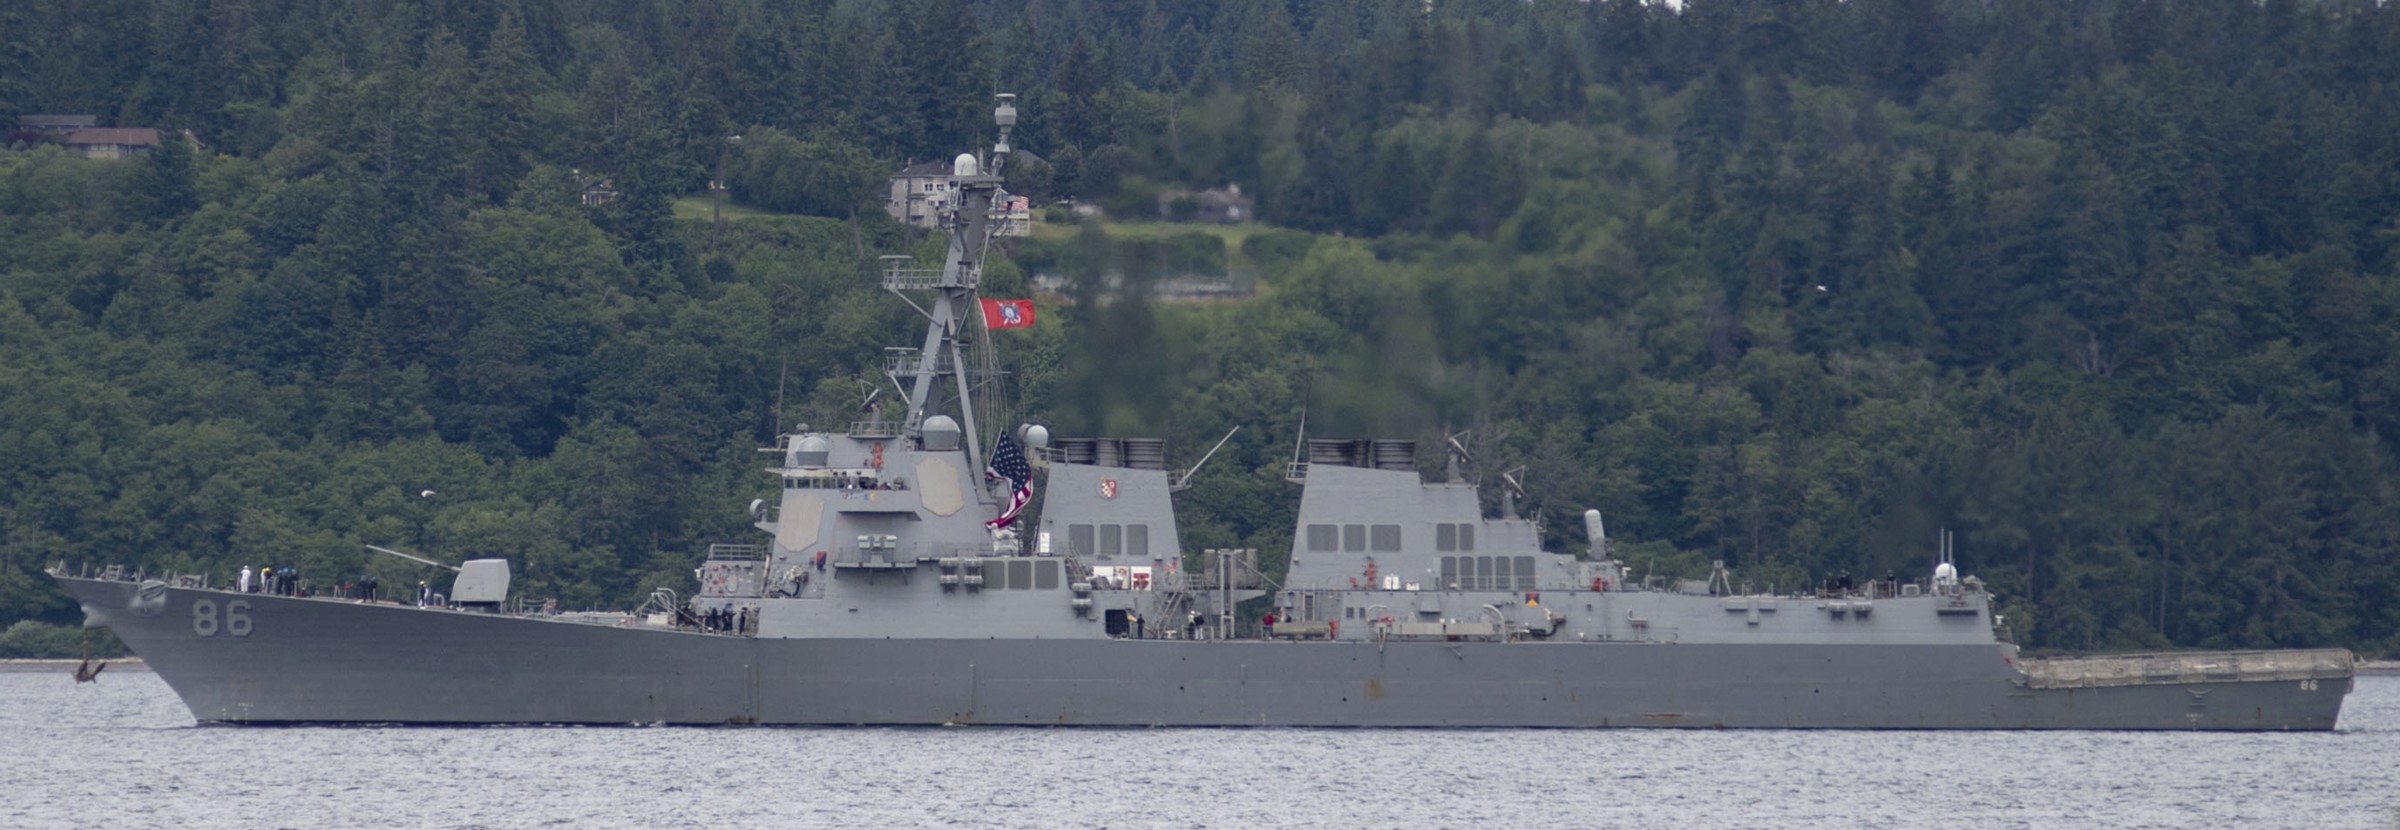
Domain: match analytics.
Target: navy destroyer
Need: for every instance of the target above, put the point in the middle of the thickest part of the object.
(894, 584)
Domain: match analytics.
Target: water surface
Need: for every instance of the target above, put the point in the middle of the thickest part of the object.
(123, 752)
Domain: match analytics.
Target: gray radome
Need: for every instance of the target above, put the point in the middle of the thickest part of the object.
(811, 451)
(941, 433)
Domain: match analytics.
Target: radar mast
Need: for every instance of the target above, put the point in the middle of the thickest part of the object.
(954, 308)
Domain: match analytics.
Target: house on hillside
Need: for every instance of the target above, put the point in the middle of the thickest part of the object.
(599, 192)
(56, 125)
(1215, 206)
(920, 193)
(111, 142)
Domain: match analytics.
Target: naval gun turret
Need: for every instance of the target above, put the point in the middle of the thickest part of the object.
(482, 584)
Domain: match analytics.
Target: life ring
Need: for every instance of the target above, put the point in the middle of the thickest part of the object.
(1333, 628)
(1384, 620)
(1599, 583)
(875, 456)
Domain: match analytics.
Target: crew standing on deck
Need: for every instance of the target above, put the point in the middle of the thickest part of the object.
(244, 584)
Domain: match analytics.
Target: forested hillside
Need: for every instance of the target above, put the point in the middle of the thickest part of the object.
(2108, 289)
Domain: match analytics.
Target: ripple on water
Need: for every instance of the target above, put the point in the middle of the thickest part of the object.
(123, 753)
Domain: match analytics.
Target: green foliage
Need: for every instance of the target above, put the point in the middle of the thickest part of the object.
(818, 176)
(30, 639)
(2110, 292)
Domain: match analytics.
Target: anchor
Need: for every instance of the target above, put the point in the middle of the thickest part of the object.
(88, 671)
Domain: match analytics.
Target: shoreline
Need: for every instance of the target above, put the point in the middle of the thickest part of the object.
(2376, 668)
(29, 665)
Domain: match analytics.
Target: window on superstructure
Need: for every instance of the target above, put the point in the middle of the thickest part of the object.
(1445, 537)
(1079, 540)
(1503, 575)
(1525, 573)
(1045, 575)
(1112, 540)
(1449, 572)
(1323, 537)
(1466, 537)
(1354, 538)
(1383, 538)
(1137, 540)
(1020, 574)
(1483, 573)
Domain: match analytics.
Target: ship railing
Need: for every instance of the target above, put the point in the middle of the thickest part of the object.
(897, 276)
(1296, 472)
(876, 428)
(914, 554)
(903, 360)
(728, 551)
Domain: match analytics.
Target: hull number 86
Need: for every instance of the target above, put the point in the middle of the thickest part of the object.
(207, 623)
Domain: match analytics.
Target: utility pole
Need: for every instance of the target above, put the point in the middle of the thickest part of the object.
(716, 186)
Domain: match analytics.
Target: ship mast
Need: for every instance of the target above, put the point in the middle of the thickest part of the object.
(954, 308)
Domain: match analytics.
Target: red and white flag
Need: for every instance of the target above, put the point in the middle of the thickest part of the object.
(1007, 314)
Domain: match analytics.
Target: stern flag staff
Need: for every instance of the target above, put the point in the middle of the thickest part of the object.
(1007, 314)
(1009, 462)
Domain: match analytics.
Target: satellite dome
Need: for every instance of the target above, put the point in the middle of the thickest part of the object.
(941, 433)
(1036, 436)
(964, 166)
(810, 451)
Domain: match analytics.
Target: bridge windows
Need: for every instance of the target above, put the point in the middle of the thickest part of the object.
(1353, 538)
(1323, 538)
(1108, 540)
(1450, 536)
(1021, 574)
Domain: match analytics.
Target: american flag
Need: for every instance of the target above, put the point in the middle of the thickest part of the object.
(1009, 462)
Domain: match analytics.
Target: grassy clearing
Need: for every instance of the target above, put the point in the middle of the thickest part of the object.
(1237, 258)
(1232, 234)
(696, 207)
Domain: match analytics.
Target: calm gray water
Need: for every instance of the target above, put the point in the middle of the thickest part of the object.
(123, 753)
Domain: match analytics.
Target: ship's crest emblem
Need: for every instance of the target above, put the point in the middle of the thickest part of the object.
(1108, 488)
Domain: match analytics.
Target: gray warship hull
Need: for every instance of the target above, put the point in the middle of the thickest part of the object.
(313, 660)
